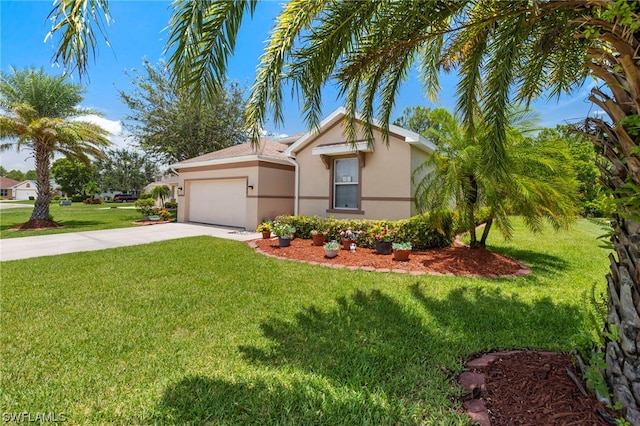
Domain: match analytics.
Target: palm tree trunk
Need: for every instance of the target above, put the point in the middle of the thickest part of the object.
(41, 207)
(619, 145)
(622, 331)
(485, 232)
(471, 217)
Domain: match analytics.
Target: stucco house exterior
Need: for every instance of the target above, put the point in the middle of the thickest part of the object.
(315, 173)
(236, 186)
(25, 189)
(171, 181)
(362, 181)
(6, 188)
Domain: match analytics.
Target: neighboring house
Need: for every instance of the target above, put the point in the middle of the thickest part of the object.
(6, 188)
(171, 181)
(317, 173)
(24, 190)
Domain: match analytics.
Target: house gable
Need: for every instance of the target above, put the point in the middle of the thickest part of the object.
(361, 179)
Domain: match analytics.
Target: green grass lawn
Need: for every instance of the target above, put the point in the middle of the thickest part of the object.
(75, 218)
(206, 331)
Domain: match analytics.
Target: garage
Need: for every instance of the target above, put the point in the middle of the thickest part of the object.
(218, 202)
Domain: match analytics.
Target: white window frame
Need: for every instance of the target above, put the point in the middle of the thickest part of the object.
(336, 183)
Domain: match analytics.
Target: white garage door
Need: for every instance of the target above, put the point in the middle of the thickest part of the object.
(218, 202)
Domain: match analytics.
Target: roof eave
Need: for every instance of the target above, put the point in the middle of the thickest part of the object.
(222, 161)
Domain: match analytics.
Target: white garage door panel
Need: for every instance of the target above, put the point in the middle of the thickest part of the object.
(218, 202)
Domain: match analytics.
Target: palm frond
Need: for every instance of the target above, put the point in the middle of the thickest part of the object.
(202, 36)
(78, 22)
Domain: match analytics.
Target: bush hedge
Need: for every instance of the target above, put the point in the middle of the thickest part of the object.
(423, 231)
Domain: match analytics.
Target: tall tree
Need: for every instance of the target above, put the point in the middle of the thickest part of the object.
(503, 51)
(37, 112)
(72, 176)
(124, 170)
(171, 126)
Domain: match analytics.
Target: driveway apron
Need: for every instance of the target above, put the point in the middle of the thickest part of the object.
(72, 242)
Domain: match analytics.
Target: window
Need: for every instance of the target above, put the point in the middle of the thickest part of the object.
(345, 184)
(4, 192)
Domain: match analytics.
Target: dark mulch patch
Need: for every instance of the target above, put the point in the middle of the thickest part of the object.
(533, 388)
(36, 224)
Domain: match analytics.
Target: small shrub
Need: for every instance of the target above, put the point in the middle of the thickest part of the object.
(163, 213)
(144, 196)
(171, 205)
(145, 206)
(92, 200)
(77, 198)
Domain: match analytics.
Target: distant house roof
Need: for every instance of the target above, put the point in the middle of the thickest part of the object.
(268, 150)
(6, 183)
(26, 183)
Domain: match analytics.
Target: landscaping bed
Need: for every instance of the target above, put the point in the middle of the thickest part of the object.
(454, 260)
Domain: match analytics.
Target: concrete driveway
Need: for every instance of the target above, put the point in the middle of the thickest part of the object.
(8, 205)
(50, 245)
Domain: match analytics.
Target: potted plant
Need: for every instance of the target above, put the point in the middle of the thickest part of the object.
(331, 249)
(349, 237)
(318, 237)
(265, 228)
(384, 241)
(284, 232)
(401, 251)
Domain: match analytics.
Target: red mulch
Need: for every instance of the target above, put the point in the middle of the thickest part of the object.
(455, 260)
(36, 224)
(151, 222)
(529, 388)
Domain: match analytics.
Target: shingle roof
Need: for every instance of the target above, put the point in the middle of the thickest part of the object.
(267, 148)
(7, 183)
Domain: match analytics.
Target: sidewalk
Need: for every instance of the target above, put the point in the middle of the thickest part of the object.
(50, 245)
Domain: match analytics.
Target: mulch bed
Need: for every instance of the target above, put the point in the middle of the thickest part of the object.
(33, 225)
(151, 222)
(528, 388)
(454, 260)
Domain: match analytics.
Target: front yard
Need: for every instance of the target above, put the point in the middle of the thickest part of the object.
(202, 330)
(74, 218)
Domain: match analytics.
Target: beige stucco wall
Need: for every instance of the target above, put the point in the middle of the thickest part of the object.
(385, 180)
(271, 195)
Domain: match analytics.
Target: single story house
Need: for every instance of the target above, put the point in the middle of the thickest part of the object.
(170, 181)
(315, 173)
(6, 188)
(25, 189)
(237, 186)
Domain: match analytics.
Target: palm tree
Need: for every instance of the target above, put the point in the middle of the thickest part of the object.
(37, 111)
(503, 52)
(540, 182)
(161, 192)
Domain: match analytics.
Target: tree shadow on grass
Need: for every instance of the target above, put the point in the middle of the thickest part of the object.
(489, 319)
(266, 400)
(540, 263)
(368, 360)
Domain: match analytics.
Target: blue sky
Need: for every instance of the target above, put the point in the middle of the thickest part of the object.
(138, 32)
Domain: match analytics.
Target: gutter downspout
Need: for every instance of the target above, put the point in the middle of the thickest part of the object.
(296, 190)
